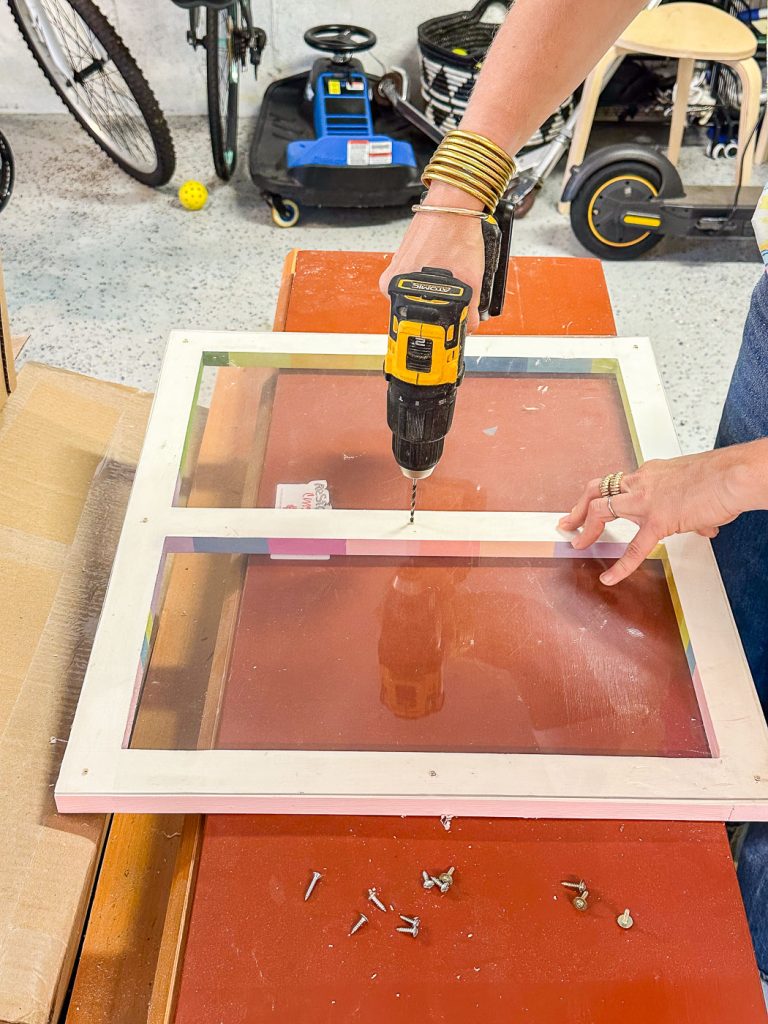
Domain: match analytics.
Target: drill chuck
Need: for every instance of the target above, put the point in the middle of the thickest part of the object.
(419, 417)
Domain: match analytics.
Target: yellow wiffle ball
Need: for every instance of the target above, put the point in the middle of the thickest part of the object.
(193, 195)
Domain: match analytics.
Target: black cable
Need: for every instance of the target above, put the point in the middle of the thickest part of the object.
(739, 180)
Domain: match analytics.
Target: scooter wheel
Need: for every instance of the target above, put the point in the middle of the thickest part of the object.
(596, 210)
(285, 212)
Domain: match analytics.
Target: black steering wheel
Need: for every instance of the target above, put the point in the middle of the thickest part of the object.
(341, 39)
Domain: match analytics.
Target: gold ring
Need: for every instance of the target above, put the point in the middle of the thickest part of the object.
(614, 487)
(605, 485)
(610, 506)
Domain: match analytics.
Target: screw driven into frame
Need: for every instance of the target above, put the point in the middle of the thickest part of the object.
(316, 876)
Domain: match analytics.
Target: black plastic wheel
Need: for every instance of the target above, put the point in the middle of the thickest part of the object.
(100, 83)
(224, 64)
(596, 210)
(6, 172)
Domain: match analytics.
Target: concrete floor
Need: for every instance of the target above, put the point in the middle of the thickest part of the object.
(99, 269)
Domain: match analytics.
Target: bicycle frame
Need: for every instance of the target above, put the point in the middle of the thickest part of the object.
(195, 40)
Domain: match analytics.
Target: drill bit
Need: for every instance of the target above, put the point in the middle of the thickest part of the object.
(413, 499)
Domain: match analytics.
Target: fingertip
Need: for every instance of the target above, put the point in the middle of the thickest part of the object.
(608, 578)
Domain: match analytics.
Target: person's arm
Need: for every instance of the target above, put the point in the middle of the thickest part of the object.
(694, 493)
(544, 49)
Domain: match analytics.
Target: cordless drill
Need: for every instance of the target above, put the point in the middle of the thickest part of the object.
(424, 365)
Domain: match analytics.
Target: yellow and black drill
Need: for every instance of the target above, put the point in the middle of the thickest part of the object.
(424, 365)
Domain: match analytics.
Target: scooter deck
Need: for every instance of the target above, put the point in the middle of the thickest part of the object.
(710, 196)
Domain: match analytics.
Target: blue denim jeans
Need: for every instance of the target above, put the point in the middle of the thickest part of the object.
(741, 549)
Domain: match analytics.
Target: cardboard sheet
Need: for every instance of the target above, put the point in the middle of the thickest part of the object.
(68, 447)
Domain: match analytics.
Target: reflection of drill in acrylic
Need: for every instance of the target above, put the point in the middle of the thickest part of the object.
(424, 365)
(420, 603)
(411, 673)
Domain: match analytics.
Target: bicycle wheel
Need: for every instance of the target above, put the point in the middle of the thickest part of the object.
(6, 172)
(224, 40)
(95, 75)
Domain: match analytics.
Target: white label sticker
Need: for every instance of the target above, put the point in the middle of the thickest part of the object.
(362, 152)
(315, 494)
(380, 151)
(357, 152)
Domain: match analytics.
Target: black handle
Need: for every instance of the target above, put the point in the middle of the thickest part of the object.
(478, 11)
(505, 215)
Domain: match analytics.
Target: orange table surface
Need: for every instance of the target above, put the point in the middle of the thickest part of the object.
(505, 944)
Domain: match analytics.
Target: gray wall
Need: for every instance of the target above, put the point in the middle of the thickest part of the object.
(154, 31)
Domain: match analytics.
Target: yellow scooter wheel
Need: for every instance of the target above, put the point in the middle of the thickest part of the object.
(600, 205)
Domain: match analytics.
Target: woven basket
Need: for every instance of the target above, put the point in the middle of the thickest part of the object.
(452, 49)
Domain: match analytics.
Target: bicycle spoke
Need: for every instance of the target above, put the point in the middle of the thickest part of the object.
(102, 97)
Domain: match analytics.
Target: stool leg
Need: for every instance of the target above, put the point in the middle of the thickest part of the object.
(751, 84)
(590, 94)
(680, 108)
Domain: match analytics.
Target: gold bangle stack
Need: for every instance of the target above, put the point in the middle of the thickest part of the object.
(472, 163)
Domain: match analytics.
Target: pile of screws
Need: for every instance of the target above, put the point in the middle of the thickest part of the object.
(443, 882)
(579, 901)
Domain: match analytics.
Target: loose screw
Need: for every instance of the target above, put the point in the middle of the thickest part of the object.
(376, 901)
(414, 926)
(429, 882)
(360, 922)
(445, 881)
(580, 901)
(581, 886)
(316, 876)
(625, 920)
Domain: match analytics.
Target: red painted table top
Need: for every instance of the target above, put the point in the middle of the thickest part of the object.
(503, 656)
(517, 442)
(337, 292)
(504, 945)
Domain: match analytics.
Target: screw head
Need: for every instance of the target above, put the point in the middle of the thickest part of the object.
(581, 886)
(316, 876)
(374, 898)
(580, 901)
(446, 880)
(360, 922)
(625, 920)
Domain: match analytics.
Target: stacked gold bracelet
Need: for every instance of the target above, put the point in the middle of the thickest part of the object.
(473, 164)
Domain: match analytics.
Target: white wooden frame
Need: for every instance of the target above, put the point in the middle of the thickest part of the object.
(100, 773)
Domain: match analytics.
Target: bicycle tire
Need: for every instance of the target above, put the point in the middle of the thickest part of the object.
(222, 108)
(6, 171)
(158, 139)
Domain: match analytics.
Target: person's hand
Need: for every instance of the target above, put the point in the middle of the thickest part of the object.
(694, 493)
(443, 240)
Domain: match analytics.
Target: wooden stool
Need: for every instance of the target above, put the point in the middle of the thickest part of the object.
(689, 32)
